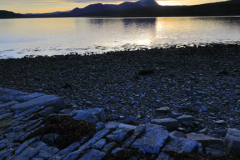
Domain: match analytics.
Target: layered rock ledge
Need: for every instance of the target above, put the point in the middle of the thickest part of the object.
(22, 114)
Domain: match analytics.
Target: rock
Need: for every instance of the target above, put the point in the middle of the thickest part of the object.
(99, 144)
(24, 98)
(182, 145)
(128, 142)
(220, 122)
(88, 144)
(203, 130)
(204, 140)
(86, 116)
(163, 110)
(109, 147)
(170, 123)
(175, 114)
(8, 104)
(118, 135)
(100, 126)
(46, 112)
(113, 117)
(214, 152)
(4, 119)
(144, 120)
(178, 134)
(50, 138)
(185, 118)
(115, 150)
(47, 152)
(30, 151)
(232, 142)
(25, 145)
(8, 151)
(152, 140)
(60, 155)
(221, 132)
(93, 154)
(48, 100)
(97, 112)
(130, 120)
(164, 156)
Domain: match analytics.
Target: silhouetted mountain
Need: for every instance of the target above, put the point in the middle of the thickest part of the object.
(8, 14)
(142, 8)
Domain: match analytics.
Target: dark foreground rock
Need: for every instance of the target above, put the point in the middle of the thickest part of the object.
(61, 136)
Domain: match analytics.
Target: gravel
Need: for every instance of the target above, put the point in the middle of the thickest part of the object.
(202, 81)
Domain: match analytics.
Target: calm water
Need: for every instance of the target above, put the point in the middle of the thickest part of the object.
(53, 36)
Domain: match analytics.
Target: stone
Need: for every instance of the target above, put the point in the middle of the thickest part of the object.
(118, 135)
(221, 132)
(182, 145)
(46, 112)
(220, 122)
(99, 144)
(178, 134)
(163, 110)
(204, 140)
(164, 156)
(25, 145)
(93, 154)
(4, 119)
(109, 147)
(61, 154)
(28, 97)
(47, 152)
(115, 150)
(183, 118)
(8, 151)
(50, 138)
(214, 152)
(204, 108)
(128, 142)
(8, 104)
(175, 114)
(232, 142)
(170, 123)
(96, 112)
(27, 113)
(152, 140)
(86, 116)
(100, 126)
(88, 144)
(130, 120)
(144, 120)
(30, 151)
(48, 100)
(113, 117)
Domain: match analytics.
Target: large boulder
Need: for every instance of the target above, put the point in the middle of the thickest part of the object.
(152, 140)
(232, 142)
(170, 123)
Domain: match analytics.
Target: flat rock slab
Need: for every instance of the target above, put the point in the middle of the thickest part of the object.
(183, 118)
(152, 140)
(48, 100)
(170, 123)
(205, 140)
(93, 154)
(232, 142)
(182, 144)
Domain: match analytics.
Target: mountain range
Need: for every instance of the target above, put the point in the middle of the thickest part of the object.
(142, 8)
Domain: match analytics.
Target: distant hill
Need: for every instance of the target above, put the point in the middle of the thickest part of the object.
(142, 8)
(8, 14)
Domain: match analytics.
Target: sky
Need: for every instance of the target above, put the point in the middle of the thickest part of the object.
(45, 6)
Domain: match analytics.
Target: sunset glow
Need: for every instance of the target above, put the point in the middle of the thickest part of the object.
(45, 6)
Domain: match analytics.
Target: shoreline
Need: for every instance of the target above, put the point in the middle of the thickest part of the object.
(202, 82)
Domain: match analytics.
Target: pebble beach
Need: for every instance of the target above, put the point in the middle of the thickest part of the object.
(141, 85)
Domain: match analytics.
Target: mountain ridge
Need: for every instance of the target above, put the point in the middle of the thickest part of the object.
(142, 8)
